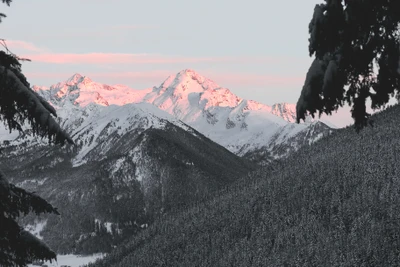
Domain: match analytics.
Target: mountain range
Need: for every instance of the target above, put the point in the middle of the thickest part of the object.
(244, 127)
(142, 153)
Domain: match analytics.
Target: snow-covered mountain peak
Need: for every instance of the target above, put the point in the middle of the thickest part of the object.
(37, 88)
(77, 79)
(187, 81)
(285, 110)
(193, 98)
(80, 90)
(188, 75)
(74, 79)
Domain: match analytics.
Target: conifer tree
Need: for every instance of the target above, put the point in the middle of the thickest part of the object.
(20, 104)
(356, 46)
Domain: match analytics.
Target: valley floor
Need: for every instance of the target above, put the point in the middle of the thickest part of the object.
(72, 260)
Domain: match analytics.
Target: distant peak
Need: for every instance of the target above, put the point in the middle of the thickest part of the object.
(37, 88)
(78, 78)
(191, 74)
(74, 78)
(187, 80)
(188, 71)
(285, 110)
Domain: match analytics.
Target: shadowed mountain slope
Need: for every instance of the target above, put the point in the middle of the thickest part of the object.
(335, 203)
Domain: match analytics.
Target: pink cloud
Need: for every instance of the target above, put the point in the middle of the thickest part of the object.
(44, 55)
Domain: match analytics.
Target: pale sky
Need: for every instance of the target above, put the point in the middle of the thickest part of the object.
(257, 48)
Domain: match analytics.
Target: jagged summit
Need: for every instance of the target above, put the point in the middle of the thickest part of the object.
(285, 110)
(80, 90)
(188, 79)
(76, 78)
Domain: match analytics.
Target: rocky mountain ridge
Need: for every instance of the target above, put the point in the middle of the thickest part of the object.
(240, 125)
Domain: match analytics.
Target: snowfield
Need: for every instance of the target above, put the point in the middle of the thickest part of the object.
(71, 260)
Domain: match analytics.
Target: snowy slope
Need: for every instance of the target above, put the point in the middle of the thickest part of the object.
(71, 260)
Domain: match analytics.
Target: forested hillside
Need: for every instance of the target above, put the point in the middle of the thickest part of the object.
(334, 203)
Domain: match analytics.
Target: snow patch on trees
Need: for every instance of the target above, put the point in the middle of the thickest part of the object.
(36, 228)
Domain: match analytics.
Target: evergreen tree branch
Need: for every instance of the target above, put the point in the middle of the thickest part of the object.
(23, 103)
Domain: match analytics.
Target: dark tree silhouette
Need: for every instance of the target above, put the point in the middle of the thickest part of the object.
(356, 48)
(20, 104)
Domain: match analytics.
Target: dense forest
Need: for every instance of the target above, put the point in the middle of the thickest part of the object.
(334, 203)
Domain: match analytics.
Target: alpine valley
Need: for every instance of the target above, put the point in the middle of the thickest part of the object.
(139, 154)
